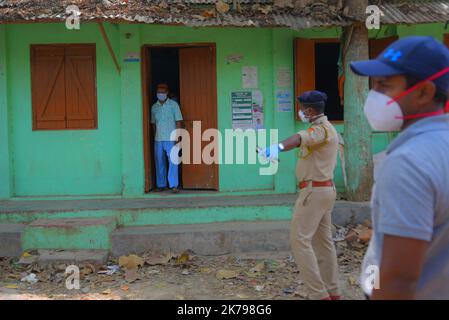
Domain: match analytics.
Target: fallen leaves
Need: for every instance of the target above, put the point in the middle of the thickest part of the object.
(258, 268)
(130, 262)
(283, 3)
(209, 13)
(183, 258)
(227, 274)
(131, 275)
(157, 260)
(107, 291)
(359, 236)
(124, 287)
(174, 274)
(131, 265)
(222, 7)
(352, 280)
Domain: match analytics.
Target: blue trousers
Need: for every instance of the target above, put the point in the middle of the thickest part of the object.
(162, 154)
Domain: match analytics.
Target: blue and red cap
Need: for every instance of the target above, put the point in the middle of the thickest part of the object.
(416, 56)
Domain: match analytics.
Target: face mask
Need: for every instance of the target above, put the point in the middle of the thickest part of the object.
(162, 96)
(381, 114)
(385, 114)
(303, 117)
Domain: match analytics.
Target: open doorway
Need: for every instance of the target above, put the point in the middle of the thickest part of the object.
(189, 71)
(326, 77)
(316, 68)
(165, 69)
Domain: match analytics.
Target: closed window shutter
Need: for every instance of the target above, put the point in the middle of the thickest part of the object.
(48, 90)
(81, 108)
(63, 87)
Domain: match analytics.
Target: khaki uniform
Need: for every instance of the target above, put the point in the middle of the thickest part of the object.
(311, 235)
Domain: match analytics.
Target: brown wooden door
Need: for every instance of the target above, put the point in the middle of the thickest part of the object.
(304, 68)
(198, 103)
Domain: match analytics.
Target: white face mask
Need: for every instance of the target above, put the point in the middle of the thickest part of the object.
(303, 117)
(162, 96)
(382, 112)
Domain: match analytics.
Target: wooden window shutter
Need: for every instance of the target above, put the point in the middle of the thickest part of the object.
(81, 107)
(376, 46)
(304, 68)
(48, 90)
(63, 81)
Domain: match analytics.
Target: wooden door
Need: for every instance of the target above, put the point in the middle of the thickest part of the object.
(148, 141)
(304, 68)
(198, 102)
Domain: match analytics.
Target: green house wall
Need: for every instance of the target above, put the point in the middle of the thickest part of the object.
(108, 161)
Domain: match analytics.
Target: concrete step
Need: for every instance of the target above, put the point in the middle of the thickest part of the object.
(96, 256)
(178, 209)
(11, 239)
(203, 239)
(74, 233)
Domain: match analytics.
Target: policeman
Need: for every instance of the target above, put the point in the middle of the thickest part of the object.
(311, 235)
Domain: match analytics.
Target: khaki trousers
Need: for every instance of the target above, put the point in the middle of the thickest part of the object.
(311, 241)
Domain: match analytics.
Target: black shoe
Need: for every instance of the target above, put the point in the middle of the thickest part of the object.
(159, 189)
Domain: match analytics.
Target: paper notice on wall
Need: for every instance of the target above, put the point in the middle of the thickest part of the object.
(242, 110)
(284, 101)
(247, 110)
(132, 57)
(249, 77)
(257, 109)
(283, 78)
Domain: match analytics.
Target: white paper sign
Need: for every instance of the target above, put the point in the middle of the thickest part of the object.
(249, 77)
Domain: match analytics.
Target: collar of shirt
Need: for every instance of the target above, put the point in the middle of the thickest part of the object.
(434, 123)
(320, 119)
(160, 104)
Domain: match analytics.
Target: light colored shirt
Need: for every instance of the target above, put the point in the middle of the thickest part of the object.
(318, 151)
(411, 199)
(164, 116)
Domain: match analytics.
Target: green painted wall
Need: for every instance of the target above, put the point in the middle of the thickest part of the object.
(6, 186)
(109, 160)
(69, 162)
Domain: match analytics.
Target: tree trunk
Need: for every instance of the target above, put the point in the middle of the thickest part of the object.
(357, 132)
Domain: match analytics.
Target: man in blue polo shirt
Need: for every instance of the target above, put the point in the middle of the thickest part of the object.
(165, 118)
(408, 257)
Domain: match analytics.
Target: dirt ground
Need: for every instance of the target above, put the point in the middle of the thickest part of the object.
(171, 276)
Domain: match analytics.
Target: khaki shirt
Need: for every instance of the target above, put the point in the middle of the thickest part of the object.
(318, 151)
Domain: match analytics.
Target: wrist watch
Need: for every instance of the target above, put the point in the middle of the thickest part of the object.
(281, 147)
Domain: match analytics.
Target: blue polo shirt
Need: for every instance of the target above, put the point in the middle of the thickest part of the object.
(411, 199)
(165, 117)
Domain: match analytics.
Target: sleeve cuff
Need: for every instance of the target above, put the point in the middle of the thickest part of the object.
(412, 233)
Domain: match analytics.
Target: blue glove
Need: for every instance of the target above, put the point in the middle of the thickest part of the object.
(272, 152)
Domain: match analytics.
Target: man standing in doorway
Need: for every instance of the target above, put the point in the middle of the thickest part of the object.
(165, 118)
(311, 235)
(408, 256)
